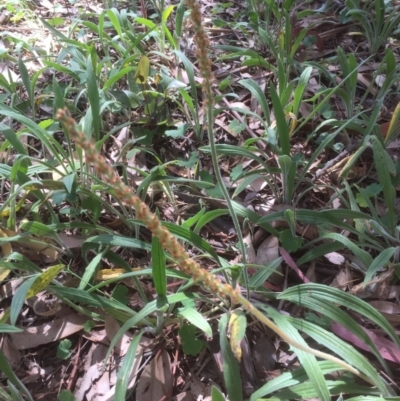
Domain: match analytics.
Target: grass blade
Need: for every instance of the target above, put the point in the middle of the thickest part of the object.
(232, 379)
(127, 367)
(158, 267)
(308, 361)
(8, 371)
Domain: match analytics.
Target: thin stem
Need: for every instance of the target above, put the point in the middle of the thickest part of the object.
(225, 193)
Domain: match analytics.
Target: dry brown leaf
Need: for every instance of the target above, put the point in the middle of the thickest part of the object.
(250, 252)
(8, 290)
(97, 336)
(110, 395)
(112, 327)
(8, 73)
(186, 396)
(48, 332)
(200, 391)
(310, 273)
(36, 245)
(342, 280)
(389, 310)
(267, 252)
(93, 372)
(72, 241)
(12, 355)
(264, 355)
(335, 258)
(155, 382)
(366, 80)
(258, 184)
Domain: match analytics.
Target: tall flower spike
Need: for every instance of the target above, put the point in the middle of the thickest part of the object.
(169, 243)
(202, 47)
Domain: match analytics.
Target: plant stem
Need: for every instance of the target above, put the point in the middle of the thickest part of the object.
(202, 42)
(225, 193)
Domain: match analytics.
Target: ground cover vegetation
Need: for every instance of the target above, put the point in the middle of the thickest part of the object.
(199, 200)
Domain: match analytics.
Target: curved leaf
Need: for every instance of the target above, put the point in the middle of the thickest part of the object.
(308, 361)
(233, 381)
(316, 296)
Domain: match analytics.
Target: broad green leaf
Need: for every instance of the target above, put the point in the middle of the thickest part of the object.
(313, 293)
(281, 124)
(14, 140)
(341, 348)
(63, 349)
(364, 256)
(300, 89)
(289, 242)
(44, 279)
(26, 79)
(194, 219)
(128, 364)
(15, 393)
(318, 251)
(146, 22)
(143, 70)
(307, 361)
(333, 217)
(116, 78)
(66, 395)
(264, 272)
(237, 329)
(5, 396)
(330, 310)
(196, 319)
(143, 313)
(90, 270)
(93, 95)
(190, 343)
(372, 398)
(71, 296)
(190, 73)
(6, 328)
(385, 168)
(209, 216)
(306, 390)
(379, 262)
(290, 379)
(180, 12)
(158, 267)
(53, 146)
(258, 93)
(288, 175)
(194, 239)
(254, 218)
(166, 13)
(233, 381)
(37, 228)
(19, 298)
(59, 101)
(113, 14)
(216, 395)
